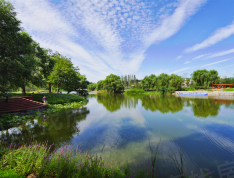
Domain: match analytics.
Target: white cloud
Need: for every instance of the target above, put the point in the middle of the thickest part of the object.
(178, 57)
(201, 56)
(187, 62)
(99, 38)
(219, 35)
(180, 70)
(217, 62)
(228, 66)
(173, 23)
(222, 53)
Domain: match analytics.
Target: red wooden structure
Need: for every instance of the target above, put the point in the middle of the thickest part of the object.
(224, 85)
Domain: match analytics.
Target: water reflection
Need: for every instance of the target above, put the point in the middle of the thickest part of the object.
(125, 122)
(112, 102)
(205, 107)
(164, 103)
(59, 128)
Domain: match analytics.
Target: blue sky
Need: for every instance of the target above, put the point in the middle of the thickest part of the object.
(140, 37)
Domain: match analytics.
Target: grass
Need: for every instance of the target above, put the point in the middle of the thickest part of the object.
(9, 174)
(58, 98)
(228, 89)
(130, 91)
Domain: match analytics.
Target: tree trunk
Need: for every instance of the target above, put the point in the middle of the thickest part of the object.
(58, 87)
(23, 90)
(49, 87)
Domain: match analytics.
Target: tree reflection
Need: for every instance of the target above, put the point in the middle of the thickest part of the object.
(162, 103)
(58, 128)
(205, 107)
(112, 102)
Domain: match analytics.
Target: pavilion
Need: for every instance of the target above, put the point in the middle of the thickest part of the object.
(224, 85)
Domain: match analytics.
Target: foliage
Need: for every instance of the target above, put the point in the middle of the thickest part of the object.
(35, 158)
(134, 91)
(162, 89)
(10, 47)
(24, 159)
(171, 89)
(112, 84)
(9, 174)
(76, 82)
(92, 87)
(99, 85)
(63, 73)
(204, 78)
(163, 81)
(189, 89)
(175, 82)
(58, 98)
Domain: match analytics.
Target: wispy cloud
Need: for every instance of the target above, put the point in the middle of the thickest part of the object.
(201, 56)
(228, 66)
(173, 23)
(222, 53)
(187, 62)
(219, 35)
(178, 57)
(180, 70)
(103, 37)
(217, 62)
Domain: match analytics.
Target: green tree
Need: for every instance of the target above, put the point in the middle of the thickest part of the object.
(45, 64)
(17, 54)
(10, 51)
(27, 73)
(145, 83)
(92, 87)
(100, 85)
(63, 72)
(112, 84)
(163, 80)
(175, 81)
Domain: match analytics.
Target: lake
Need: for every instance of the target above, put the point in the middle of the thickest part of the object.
(125, 125)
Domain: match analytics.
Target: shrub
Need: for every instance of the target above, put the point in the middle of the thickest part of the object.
(134, 91)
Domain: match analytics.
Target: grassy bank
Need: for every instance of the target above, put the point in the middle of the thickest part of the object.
(228, 89)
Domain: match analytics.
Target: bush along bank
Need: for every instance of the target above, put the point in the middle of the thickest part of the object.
(162, 90)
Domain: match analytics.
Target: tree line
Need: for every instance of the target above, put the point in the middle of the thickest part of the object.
(162, 82)
(24, 62)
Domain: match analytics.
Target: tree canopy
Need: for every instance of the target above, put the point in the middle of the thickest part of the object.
(204, 77)
(113, 84)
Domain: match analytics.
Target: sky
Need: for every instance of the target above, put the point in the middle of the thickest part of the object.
(140, 37)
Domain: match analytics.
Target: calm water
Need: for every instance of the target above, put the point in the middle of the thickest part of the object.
(203, 126)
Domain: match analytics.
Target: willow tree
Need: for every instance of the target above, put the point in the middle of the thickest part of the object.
(204, 77)
(113, 84)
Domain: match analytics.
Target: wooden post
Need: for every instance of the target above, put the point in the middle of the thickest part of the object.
(218, 86)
